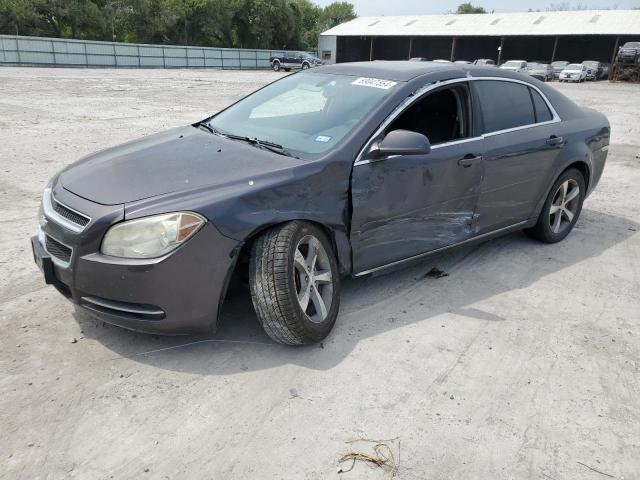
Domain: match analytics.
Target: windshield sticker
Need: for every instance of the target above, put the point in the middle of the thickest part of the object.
(374, 82)
(323, 138)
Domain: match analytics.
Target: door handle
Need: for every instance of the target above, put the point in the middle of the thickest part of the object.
(469, 160)
(554, 140)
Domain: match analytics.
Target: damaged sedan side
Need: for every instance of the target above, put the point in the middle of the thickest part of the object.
(344, 170)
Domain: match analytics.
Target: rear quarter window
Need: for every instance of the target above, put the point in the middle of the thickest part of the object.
(543, 114)
(504, 105)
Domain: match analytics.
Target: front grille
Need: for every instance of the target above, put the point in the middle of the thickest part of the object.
(58, 250)
(69, 214)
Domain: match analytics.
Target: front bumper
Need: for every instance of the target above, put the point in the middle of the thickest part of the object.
(180, 293)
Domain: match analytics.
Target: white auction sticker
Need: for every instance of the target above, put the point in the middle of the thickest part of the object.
(323, 138)
(374, 82)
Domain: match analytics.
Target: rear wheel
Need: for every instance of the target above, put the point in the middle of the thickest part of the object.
(276, 66)
(295, 283)
(305, 66)
(562, 208)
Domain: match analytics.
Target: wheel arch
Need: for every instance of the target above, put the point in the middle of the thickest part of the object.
(579, 164)
(338, 239)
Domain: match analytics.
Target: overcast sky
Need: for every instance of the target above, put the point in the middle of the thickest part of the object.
(413, 7)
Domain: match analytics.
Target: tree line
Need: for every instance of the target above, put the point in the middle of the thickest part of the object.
(278, 24)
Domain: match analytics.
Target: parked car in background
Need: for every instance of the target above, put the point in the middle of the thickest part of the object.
(441, 60)
(594, 69)
(294, 61)
(485, 61)
(558, 66)
(515, 66)
(466, 62)
(574, 72)
(541, 71)
(375, 164)
(629, 52)
(605, 71)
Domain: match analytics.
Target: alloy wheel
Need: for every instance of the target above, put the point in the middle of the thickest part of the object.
(313, 278)
(564, 206)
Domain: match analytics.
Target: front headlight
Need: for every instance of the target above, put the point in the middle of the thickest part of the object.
(151, 237)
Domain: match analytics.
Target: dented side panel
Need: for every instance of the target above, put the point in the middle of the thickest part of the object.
(407, 205)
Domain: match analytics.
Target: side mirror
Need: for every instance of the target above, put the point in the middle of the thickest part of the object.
(401, 142)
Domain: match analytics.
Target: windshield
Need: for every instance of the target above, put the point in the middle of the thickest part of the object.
(632, 45)
(304, 113)
(574, 66)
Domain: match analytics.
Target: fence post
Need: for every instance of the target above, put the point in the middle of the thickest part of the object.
(239, 61)
(115, 56)
(221, 60)
(164, 62)
(18, 50)
(138, 50)
(86, 57)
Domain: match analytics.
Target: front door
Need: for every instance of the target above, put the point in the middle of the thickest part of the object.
(407, 205)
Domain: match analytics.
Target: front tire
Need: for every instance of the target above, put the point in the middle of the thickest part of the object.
(295, 283)
(276, 66)
(562, 208)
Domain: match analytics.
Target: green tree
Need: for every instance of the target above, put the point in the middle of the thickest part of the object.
(277, 24)
(18, 17)
(336, 13)
(469, 8)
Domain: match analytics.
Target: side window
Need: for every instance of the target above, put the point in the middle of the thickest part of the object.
(543, 114)
(504, 105)
(442, 116)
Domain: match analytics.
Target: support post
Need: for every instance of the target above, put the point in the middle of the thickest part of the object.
(612, 69)
(500, 48)
(555, 48)
(453, 48)
(615, 51)
(410, 47)
(371, 50)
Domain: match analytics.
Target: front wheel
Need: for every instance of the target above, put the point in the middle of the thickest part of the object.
(562, 208)
(276, 66)
(305, 66)
(295, 283)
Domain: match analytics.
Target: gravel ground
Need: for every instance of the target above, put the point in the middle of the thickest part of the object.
(523, 363)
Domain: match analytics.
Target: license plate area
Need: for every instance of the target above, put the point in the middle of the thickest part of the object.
(43, 260)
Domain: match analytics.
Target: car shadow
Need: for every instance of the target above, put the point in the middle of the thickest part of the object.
(374, 305)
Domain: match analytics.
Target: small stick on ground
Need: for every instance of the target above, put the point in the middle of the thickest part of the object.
(382, 458)
(595, 470)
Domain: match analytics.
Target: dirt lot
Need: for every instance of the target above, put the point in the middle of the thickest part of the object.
(523, 363)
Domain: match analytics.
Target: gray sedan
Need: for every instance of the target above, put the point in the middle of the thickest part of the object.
(346, 169)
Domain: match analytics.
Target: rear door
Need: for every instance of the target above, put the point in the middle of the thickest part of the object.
(522, 142)
(407, 205)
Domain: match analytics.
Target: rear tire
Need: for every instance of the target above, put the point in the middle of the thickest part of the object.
(276, 66)
(562, 208)
(295, 283)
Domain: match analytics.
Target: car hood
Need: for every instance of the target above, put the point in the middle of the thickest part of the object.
(571, 71)
(181, 159)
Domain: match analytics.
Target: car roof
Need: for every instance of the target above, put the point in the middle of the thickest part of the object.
(405, 70)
